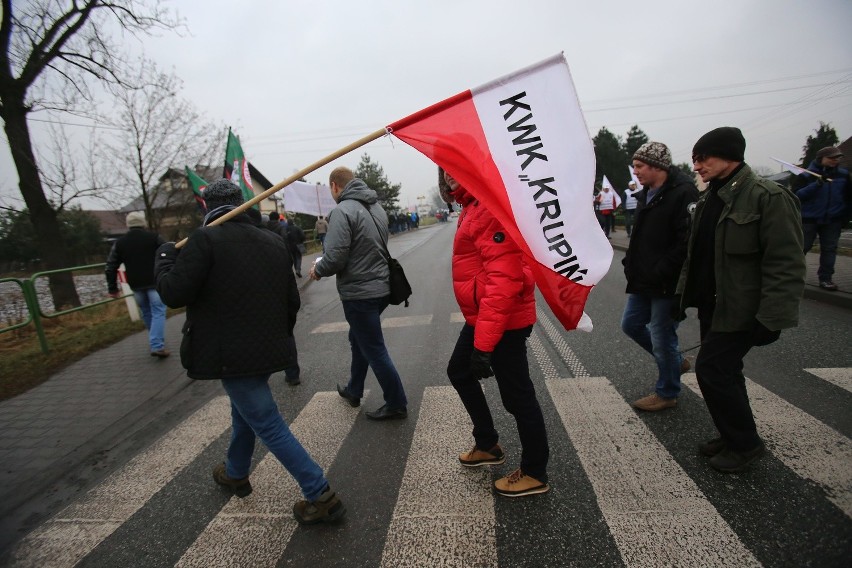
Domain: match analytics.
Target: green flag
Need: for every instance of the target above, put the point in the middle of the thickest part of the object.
(197, 185)
(236, 166)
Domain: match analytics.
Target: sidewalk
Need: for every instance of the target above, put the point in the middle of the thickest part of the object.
(77, 418)
(842, 275)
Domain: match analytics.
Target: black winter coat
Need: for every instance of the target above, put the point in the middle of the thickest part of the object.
(658, 242)
(236, 281)
(136, 250)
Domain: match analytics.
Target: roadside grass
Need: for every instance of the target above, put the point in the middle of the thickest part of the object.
(70, 338)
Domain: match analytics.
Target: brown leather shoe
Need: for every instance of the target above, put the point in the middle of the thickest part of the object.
(519, 484)
(240, 487)
(161, 354)
(477, 457)
(326, 509)
(654, 402)
(685, 366)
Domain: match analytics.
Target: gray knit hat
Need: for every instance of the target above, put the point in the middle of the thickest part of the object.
(654, 154)
(136, 219)
(222, 192)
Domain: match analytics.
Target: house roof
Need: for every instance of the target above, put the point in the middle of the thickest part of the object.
(112, 222)
(173, 189)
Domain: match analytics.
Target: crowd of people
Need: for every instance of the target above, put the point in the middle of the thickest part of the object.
(734, 251)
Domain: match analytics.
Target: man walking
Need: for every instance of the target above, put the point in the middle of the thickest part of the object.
(241, 301)
(826, 203)
(357, 237)
(630, 206)
(320, 229)
(652, 266)
(745, 273)
(136, 249)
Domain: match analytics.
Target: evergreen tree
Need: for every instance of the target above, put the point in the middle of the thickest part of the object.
(611, 160)
(635, 138)
(374, 176)
(822, 137)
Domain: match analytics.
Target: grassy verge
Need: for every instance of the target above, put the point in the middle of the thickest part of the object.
(70, 338)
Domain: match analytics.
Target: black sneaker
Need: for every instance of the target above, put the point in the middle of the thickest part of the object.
(729, 461)
(353, 400)
(240, 487)
(326, 509)
(712, 447)
(828, 285)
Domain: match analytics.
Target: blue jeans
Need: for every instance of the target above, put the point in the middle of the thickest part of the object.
(369, 351)
(648, 322)
(154, 315)
(255, 414)
(829, 236)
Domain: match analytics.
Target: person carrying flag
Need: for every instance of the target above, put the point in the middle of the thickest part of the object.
(495, 290)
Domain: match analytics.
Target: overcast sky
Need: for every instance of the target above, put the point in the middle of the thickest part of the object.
(298, 80)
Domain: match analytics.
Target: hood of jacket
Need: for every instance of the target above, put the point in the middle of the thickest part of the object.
(358, 191)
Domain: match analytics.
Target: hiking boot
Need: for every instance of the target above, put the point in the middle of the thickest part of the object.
(477, 457)
(326, 509)
(712, 447)
(240, 487)
(685, 366)
(519, 484)
(161, 354)
(353, 400)
(828, 285)
(654, 402)
(730, 461)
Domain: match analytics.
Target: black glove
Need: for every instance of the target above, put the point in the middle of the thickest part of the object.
(480, 365)
(761, 335)
(677, 313)
(164, 259)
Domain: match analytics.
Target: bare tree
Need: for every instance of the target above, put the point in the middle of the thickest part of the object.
(50, 54)
(157, 131)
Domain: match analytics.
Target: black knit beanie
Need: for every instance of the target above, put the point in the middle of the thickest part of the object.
(725, 142)
(222, 192)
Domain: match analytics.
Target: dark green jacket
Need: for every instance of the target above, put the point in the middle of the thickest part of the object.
(759, 264)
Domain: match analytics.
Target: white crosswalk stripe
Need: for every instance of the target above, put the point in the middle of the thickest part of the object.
(841, 377)
(807, 446)
(260, 525)
(77, 530)
(444, 514)
(387, 323)
(644, 495)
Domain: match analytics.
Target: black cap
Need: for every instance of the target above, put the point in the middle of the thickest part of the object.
(726, 142)
(222, 192)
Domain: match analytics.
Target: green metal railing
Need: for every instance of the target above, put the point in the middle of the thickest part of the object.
(34, 311)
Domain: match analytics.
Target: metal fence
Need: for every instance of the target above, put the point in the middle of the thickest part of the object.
(35, 313)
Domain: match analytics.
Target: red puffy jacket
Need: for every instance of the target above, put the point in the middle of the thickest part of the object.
(493, 284)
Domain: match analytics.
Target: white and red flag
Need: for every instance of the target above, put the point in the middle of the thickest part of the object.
(520, 145)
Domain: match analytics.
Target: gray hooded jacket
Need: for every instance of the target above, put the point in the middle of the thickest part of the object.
(354, 245)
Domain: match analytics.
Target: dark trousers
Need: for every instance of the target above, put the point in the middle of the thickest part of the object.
(719, 368)
(628, 220)
(829, 237)
(512, 373)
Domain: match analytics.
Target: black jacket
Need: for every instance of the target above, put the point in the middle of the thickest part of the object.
(136, 250)
(658, 242)
(236, 281)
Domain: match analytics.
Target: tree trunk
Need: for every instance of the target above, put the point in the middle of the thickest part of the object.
(52, 248)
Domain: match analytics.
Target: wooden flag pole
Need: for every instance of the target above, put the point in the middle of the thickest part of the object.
(295, 177)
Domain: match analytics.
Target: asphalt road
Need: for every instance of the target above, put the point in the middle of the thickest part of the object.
(627, 488)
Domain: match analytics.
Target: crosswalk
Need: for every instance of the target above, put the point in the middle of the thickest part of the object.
(653, 509)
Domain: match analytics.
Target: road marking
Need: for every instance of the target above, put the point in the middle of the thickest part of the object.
(841, 377)
(387, 323)
(558, 341)
(74, 532)
(260, 526)
(444, 514)
(457, 317)
(655, 512)
(810, 448)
